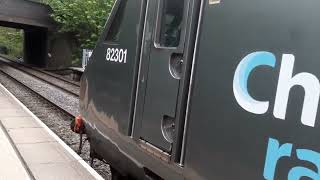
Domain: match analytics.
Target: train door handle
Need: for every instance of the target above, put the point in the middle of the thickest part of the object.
(176, 65)
(168, 128)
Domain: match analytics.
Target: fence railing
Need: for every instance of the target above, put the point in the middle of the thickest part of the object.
(86, 57)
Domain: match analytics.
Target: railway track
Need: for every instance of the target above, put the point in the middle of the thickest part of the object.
(50, 78)
(53, 105)
(61, 94)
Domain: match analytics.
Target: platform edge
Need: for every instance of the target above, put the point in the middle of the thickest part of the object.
(62, 143)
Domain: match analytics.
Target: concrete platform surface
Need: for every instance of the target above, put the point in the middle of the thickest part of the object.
(11, 166)
(30, 150)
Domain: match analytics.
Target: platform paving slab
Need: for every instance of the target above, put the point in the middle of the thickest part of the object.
(29, 135)
(43, 153)
(66, 171)
(11, 166)
(19, 122)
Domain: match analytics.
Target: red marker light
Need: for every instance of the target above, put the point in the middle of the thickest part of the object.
(78, 127)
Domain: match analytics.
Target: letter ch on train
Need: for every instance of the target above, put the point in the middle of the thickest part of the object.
(287, 80)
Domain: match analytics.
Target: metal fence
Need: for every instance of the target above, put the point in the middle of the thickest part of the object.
(86, 57)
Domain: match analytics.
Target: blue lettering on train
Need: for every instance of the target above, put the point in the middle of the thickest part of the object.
(276, 152)
(311, 86)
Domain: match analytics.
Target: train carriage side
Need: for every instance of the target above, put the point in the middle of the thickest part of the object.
(255, 93)
(144, 56)
(206, 89)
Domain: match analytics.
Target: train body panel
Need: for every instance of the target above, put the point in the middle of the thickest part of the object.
(206, 89)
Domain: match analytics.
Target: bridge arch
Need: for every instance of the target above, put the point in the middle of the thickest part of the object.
(34, 18)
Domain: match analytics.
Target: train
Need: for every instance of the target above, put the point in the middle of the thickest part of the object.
(206, 89)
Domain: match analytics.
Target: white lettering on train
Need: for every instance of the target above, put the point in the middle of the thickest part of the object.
(117, 55)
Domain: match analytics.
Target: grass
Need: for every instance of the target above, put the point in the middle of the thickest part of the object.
(11, 42)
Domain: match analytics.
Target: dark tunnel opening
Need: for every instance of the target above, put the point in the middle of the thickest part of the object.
(25, 43)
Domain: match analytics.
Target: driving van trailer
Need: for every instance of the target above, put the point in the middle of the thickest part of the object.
(206, 89)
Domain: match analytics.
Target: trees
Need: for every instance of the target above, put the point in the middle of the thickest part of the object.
(12, 41)
(84, 19)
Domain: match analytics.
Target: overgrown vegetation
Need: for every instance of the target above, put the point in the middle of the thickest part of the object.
(11, 42)
(83, 19)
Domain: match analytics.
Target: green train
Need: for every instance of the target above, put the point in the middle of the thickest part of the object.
(206, 89)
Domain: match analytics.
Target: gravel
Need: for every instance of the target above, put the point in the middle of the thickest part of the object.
(57, 120)
(66, 101)
(62, 83)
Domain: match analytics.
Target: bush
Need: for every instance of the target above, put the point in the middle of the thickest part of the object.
(11, 42)
(83, 19)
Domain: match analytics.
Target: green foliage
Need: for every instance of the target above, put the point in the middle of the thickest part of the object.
(84, 19)
(12, 39)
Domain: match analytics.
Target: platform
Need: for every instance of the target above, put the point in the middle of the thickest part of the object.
(77, 69)
(30, 150)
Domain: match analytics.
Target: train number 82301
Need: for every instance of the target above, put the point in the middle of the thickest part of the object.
(117, 55)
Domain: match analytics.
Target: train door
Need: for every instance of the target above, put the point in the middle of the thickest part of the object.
(163, 69)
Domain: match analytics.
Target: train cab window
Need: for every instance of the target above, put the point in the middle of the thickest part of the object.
(171, 23)
(116, 26)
